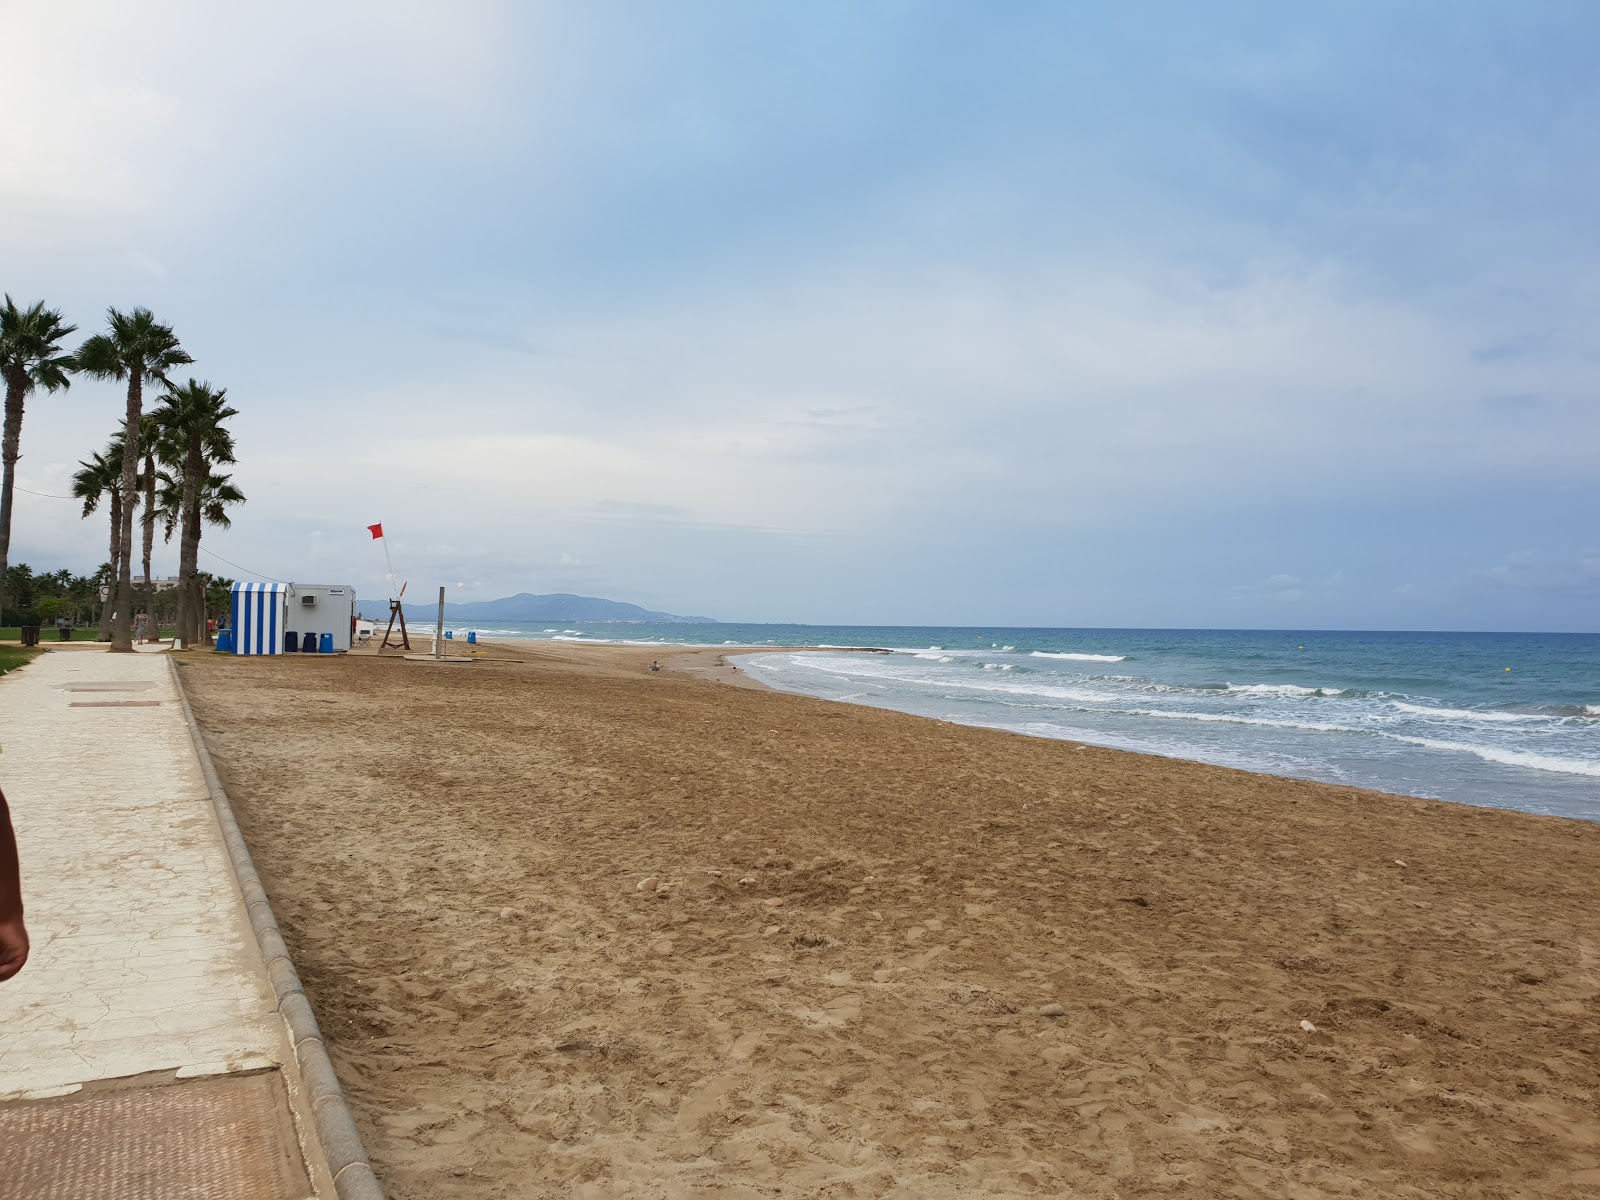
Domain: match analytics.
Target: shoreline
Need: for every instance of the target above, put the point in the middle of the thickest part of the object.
(570, 925)
(709, 663)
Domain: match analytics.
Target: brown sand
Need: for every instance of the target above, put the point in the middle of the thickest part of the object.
(836, 988)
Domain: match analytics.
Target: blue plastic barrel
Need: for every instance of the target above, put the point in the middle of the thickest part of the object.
(450, 633)
(308, 644)
(326, 646)
(291, 641)
(224, 641)
(472, 636)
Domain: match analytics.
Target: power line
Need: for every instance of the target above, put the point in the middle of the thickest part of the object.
(237, 567)
(46, 495)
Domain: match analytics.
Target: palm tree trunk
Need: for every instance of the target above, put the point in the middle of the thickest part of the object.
(152, 629)
(189, 543)
(122, 627)
(105, 605)
(9, 451)
(203, 620)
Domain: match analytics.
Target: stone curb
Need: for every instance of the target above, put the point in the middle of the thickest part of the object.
(335, 1129)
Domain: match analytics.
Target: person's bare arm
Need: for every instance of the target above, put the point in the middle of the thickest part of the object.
(13, 933)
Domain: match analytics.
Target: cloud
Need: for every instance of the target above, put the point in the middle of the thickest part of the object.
(844, 309)
(1573, 573)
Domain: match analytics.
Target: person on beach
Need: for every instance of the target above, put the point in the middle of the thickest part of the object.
(654, 665)
(13, 933)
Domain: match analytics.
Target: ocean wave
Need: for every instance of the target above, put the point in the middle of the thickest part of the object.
(1239, 719)
(1078, 657)
(1464, 714)
(884, 669)
(1279, 689)
(1511, 758)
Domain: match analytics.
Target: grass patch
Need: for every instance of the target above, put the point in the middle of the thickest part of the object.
(47, 634)
(12, 657)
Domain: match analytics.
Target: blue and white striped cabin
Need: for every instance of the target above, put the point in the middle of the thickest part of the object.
(259, 617)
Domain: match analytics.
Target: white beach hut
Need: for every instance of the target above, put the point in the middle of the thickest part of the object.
(258, 617)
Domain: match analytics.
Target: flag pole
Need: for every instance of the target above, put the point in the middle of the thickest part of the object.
(390, 563)
(376, 531)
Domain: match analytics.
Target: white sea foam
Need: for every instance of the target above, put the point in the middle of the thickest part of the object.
(888, 670)
(1464, 714)
(1222, 756)
(1512, 758)
(1592, 709)
(1079, 657)
(1280, 689)
(1235, 719)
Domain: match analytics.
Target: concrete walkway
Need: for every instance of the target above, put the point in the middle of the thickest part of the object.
(144, 970)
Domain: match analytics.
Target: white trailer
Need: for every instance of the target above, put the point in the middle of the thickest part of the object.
(320, 609)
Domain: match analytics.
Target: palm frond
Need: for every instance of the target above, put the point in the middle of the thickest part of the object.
(135, 342)
(30, 347)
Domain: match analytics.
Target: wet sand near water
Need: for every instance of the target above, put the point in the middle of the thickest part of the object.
(837, 984)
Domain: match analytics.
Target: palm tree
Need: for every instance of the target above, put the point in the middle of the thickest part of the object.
(193, 440)
(101, 476)
(212, 496)
(30, 357)
(134, 347)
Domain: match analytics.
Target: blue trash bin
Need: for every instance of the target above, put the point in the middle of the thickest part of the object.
(326, 644)
(291, 641)
(472, 637)
(308, 643)
(224, 641)
(449, 633)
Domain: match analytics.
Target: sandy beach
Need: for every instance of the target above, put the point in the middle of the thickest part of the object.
(841, 975)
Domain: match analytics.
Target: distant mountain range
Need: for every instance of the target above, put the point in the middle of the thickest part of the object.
(560, 606)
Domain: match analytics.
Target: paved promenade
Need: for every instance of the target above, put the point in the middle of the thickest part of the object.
(144, 972)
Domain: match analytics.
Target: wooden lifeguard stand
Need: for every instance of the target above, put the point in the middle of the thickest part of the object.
(397, 612)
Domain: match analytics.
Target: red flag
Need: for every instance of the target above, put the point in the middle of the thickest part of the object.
(377, 530)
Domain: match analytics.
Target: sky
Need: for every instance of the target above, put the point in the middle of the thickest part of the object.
(1037, 314)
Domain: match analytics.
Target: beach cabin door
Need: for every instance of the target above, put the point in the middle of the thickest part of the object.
(258, 617)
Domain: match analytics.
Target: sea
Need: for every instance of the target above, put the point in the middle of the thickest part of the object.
(1506, 720)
